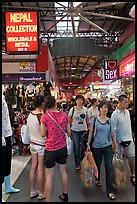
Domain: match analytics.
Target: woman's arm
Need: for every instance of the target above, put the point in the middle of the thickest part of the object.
(43, 130)
(90, 135)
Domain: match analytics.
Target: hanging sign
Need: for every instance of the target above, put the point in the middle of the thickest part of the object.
(22, 32)
(110, 70)
(127, 67)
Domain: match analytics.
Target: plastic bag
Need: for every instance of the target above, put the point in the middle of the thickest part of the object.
(119, 172)
(69, 145)
(25, 134)
(86, 171)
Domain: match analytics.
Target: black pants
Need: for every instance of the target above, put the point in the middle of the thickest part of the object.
(6, 158)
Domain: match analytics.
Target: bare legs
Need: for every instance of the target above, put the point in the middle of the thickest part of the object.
(49, 180)
(37, 162)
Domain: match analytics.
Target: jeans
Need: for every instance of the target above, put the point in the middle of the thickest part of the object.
(78, 145)
(107, 153)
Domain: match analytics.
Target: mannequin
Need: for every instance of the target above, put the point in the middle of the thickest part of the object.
(6, 148)
(47, 85)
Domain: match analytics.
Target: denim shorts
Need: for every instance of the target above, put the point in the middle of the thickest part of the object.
(53, 157)
(129, 150)
(36, 149)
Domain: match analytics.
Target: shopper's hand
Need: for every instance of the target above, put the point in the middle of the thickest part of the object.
(88, 147)
(115, 147)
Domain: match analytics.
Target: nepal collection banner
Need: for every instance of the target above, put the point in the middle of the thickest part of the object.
(22, 32)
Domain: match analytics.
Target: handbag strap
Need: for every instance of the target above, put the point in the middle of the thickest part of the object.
(56, 123)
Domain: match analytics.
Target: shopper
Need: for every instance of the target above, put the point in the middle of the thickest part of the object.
(37, 144)
(122, 131)
(93, 110)
(78, 122)
(52, 123)
(6, 148)
(115, 104)
(102, 146)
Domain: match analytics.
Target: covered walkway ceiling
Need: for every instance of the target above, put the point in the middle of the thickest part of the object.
(104, 22)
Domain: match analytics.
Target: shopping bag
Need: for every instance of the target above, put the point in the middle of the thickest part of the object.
(119, 172)
(92, 161)
(86, 173)
(69, 145)
(25, 134)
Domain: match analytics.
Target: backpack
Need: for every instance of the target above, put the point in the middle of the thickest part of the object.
(25, 134)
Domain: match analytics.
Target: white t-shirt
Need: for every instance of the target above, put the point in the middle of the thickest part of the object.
(34, 129)
(79, 122)
(122, 124)
(6, 125)
(93, 112)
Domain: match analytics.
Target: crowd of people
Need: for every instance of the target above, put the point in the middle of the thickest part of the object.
(111, 125)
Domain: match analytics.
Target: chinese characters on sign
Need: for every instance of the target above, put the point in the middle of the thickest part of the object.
(127, 67)
(22, 32)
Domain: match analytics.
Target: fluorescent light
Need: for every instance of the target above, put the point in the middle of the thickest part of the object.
(73, 67)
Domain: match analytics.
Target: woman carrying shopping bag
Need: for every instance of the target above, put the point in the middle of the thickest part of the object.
(103, 145)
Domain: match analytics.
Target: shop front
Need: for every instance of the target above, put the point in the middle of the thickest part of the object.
(127, 76)
(101, 90)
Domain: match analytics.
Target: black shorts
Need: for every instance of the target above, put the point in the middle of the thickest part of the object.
(53, 157)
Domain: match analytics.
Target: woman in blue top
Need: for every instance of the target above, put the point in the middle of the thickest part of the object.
(102, 145)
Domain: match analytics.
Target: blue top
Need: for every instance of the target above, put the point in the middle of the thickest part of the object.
(102, 133)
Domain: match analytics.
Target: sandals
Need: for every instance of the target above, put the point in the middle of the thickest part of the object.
(34, 194)
(78, 168)
(41, 196)
(111, 196)
(64, 197)
(98, 183)
(132, 179)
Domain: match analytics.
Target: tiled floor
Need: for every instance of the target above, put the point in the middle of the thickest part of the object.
(18, 164)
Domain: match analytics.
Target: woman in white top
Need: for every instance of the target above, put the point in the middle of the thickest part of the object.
(78, 120)
(93, 110)
(37, 144)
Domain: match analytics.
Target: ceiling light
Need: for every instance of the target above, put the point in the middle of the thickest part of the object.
(73, 67)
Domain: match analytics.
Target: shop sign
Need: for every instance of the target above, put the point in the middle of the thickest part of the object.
(110, 70)
(80, 91)
(27, 66)
(22, 32)
(106, 86)
(23, 77)
(127, 67)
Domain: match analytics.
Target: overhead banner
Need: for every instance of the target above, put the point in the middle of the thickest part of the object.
(22, 32)
(110, 70)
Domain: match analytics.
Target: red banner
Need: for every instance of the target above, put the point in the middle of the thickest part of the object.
(22, 32)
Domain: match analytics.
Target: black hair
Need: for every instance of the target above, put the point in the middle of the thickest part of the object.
(38, 100)
(93, 100)
(115, 102)
(122, 97)
(80, 96)
(49, 102)
(131, 104)
(101, 104)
